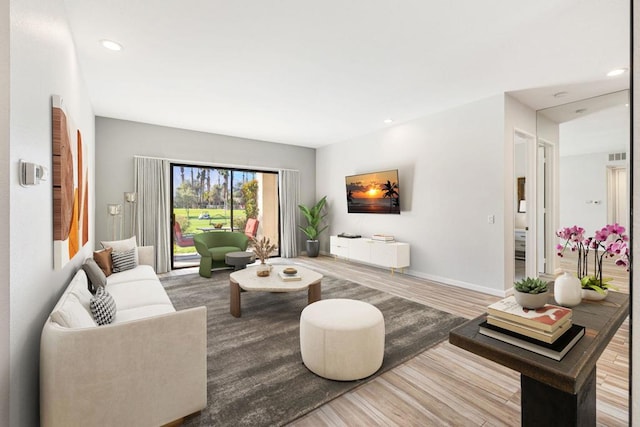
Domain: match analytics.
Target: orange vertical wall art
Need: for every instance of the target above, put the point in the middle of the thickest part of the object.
(70, 189)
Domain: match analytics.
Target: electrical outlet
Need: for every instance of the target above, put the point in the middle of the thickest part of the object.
(491, 219)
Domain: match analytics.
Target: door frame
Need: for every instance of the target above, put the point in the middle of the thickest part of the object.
(551, 204)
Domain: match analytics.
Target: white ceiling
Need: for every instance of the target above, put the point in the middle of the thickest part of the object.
(312, 73)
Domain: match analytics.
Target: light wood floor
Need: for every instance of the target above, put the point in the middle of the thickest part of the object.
(446, 385)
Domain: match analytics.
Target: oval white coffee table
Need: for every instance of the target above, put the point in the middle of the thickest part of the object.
(248, 280)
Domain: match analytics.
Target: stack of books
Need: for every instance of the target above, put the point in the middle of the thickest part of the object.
(289, 277)
(382, 237)
(548, 331)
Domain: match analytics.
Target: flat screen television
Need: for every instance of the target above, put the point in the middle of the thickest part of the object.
(375, 192)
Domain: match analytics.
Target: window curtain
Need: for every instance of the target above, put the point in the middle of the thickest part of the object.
(289, 184)
(152, 224)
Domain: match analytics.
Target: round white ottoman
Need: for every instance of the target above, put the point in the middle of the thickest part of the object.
(342, 339)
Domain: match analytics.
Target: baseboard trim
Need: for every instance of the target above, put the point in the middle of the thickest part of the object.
(458, 283)
(434, 278)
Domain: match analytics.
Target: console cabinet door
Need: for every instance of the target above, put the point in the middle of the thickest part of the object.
(339, 246)
(360, 250)
(383, 254)
(390, 255)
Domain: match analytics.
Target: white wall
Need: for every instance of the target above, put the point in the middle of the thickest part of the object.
(583, 178)
(43, 63)
(452, 177)
(118, 141)
(4, 213)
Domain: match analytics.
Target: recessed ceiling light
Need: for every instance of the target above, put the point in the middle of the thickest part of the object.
(560, 94)
(387, 121)
(616, 72)
(111, 45)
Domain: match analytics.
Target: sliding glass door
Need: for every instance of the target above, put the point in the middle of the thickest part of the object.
(209, 199)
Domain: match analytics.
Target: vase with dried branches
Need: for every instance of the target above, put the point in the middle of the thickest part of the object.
(263, 248)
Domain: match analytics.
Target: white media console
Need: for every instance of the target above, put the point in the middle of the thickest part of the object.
(393, 255)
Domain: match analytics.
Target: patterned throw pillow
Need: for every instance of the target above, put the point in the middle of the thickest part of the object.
(125, 260)
(103, 307)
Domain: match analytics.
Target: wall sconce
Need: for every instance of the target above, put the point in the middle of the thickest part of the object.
(131, 198)
(115, 220)
(522, 206)
(31, 174)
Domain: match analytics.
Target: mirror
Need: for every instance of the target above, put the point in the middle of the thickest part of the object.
(589, 184)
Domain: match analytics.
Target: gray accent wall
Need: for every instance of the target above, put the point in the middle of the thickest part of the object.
(118, 141)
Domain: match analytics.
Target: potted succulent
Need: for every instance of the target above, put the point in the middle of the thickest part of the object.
(314, 217)
(262, 249)
(531, 292)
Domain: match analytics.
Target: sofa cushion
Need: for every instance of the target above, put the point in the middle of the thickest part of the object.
(95, 274)
(141, 272)
(124, 260)
(138, 294)
(217, 254)
(103, 259)
(142, 312)
(103, 307)
(72, 314)
(122, 245)
(84, 296)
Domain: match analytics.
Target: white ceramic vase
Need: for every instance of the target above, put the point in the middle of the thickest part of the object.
(567, 290)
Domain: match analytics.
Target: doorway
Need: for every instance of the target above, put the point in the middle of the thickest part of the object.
(617, 206)
(524, 256)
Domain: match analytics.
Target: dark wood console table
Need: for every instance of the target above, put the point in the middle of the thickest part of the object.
(555, 393)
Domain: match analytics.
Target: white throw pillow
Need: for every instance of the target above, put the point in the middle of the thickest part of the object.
(122, 245)
(72, 314)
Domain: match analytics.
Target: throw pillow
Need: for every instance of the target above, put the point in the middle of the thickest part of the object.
(122, 245)
(103, 307)
(125, 260)
(94, 274)
(103, 259)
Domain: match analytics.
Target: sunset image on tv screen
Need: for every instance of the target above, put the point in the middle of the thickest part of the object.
(376, 192)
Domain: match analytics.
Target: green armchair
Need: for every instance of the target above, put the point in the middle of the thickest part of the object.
(213, 247)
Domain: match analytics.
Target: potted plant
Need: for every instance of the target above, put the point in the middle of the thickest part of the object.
(531, 292)
(314, 217)
(262, 249)
(608, 242)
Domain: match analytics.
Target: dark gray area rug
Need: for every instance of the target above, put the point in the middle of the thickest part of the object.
(255, 372)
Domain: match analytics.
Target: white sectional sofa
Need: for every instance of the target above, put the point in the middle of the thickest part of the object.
(147, 368)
